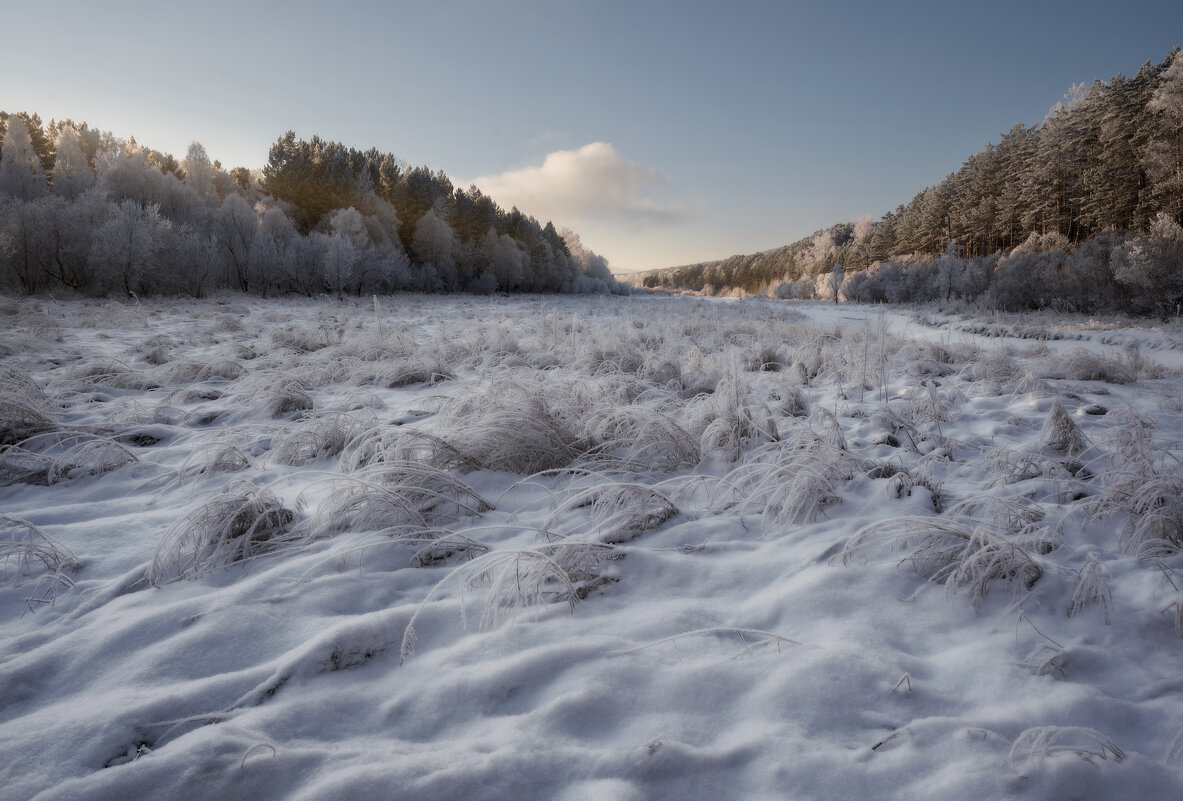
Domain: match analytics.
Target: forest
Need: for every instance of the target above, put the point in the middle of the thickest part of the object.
(1080, 212)
(86, 212)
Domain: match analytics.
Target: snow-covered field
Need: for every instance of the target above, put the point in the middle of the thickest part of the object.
(586, 548)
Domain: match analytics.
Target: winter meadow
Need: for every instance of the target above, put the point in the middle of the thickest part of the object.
(594, 547)
(335, 480)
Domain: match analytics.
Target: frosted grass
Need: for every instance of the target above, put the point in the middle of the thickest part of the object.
(542, 547)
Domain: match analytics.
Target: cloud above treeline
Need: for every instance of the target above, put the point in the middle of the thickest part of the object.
(595, 181)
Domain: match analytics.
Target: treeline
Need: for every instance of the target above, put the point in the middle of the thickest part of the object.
(1097, 187)
(89, 212)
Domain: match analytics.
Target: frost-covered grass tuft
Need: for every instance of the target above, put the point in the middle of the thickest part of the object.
(726, 423)
(320, 437)
(21, 466)
(991, 371)
(789, 482)
(92, 456)
(519, 426)
(49, 458)
(239, 524)
(617, 512)
(206, 460)
(1145, 485)
(307, 339)
(791, 401)
(1010, 466)
(901, 482)
(1015, 517)
(25, 550)
(1061, 433)
(765, 358)
(395, 497)
(402, 375)
(1091, 589)
(186, 372)
(24, 408)
(282, 397)
(1080, 364)
(643, 437)
(950, 552)
(112, 374)
(520, 579)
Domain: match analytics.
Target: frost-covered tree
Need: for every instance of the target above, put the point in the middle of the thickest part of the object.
(301, 266)
(948, 266)
(340, 264)
(593, 267)
(1152, 264)
(6, 246)
(19, 230)
(508, 262)
(179, 202)
(434, 244)
(381, 220)
(125, 174)
(21, 173)
(1164, 153)
(191, 256)
(236, 225)
(837, 276)
(349, 224)
(270, 246)
(821, 249)
(277, 224)
(63, 233)
(199, 174)
(124, 251)
(72, 174)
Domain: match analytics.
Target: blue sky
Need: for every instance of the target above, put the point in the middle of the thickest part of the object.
(663, 132)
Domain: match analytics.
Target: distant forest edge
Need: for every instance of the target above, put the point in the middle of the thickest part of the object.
(1080, 212)
(85, 211)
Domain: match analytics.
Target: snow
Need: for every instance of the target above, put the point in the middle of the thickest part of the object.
(675, 606)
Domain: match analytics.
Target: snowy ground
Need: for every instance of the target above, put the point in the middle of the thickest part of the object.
(572, 548)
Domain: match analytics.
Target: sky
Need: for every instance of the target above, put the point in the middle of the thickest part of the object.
(664, 133)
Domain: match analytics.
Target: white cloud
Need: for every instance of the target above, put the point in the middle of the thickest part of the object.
(594, 181)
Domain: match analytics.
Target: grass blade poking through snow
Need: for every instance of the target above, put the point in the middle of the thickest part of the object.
(1091, 588)
(520, 579)
(1036, 744)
